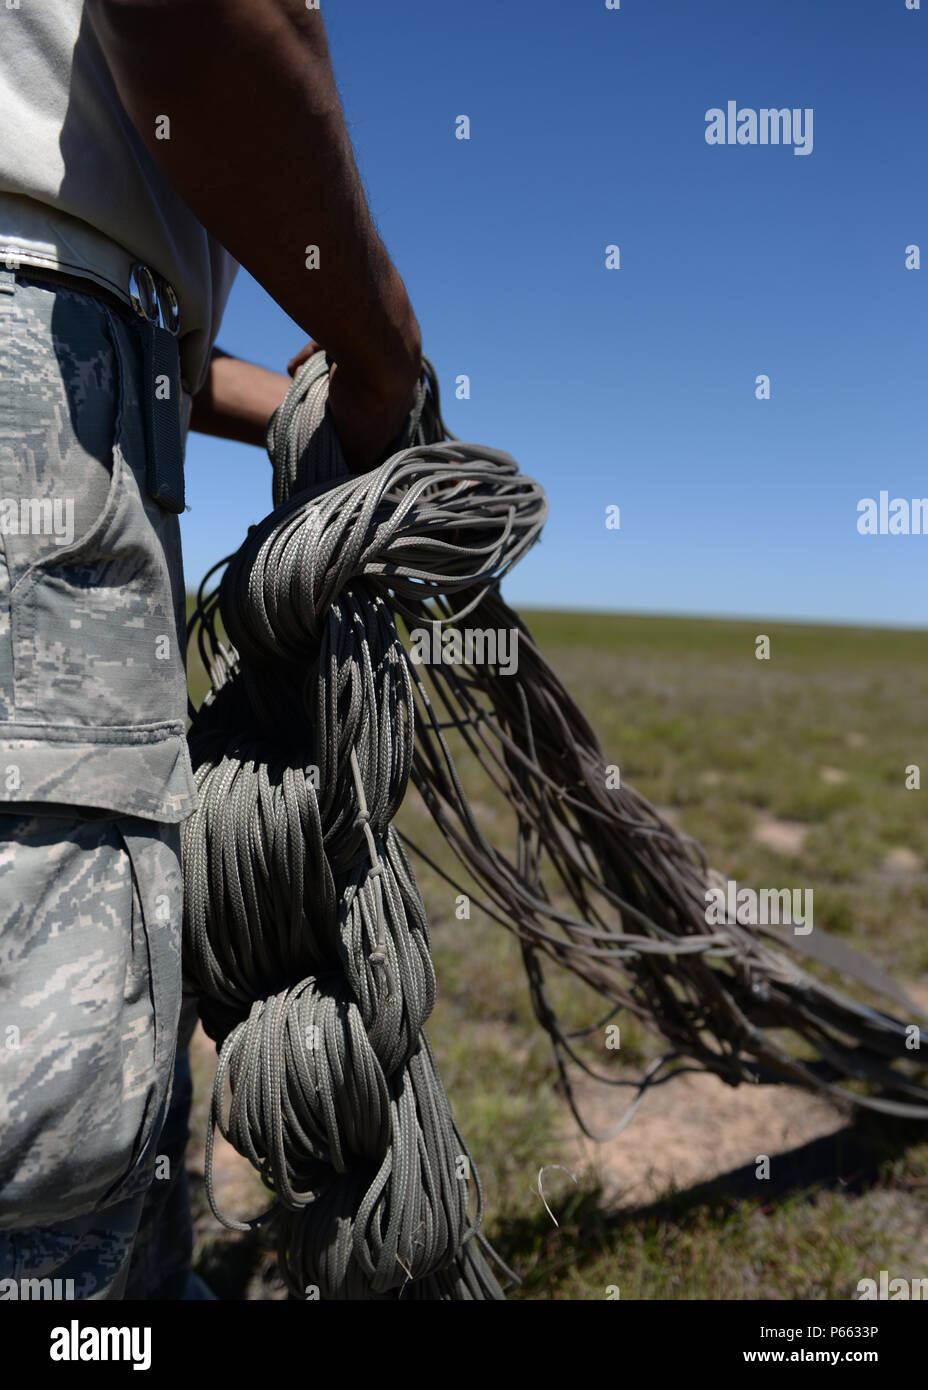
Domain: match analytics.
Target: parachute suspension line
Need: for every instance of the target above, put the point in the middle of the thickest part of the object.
(305, 935)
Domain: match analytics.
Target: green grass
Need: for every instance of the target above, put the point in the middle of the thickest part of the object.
(697, 724)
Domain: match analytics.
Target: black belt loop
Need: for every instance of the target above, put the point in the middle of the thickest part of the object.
(158, 319)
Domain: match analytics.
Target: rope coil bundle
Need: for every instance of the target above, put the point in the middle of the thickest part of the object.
(305, 935)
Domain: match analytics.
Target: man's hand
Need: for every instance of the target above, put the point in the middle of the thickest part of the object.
(239, 398)
(304, 354)
(366, 423)
(367, 418)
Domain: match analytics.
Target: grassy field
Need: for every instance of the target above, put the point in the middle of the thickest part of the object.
(791, 772)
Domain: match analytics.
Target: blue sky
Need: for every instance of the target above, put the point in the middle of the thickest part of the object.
(636, 387)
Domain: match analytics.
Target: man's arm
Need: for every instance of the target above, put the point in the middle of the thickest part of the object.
(237, 399)
(260, 152)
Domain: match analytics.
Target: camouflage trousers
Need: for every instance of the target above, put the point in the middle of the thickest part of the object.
(90, 984)
(92, 1181)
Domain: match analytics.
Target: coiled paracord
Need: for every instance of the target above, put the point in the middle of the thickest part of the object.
(305, 935)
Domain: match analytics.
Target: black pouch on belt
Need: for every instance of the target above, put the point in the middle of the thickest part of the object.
(161, 409)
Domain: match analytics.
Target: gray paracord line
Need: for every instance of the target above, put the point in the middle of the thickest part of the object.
(305, 935)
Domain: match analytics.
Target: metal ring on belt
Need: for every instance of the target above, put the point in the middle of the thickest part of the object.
(153, 298)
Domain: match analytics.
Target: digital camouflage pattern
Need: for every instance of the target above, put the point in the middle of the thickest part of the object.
(92, 1251)
(92, 605)
(96, 778)
(90, 976)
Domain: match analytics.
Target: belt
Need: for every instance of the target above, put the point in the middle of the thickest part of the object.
(151, 296)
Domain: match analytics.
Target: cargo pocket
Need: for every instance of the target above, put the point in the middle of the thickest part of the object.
(90, 930)
(97, 625)
(58, 408)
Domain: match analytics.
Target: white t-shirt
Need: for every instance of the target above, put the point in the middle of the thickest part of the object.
(79, 191)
